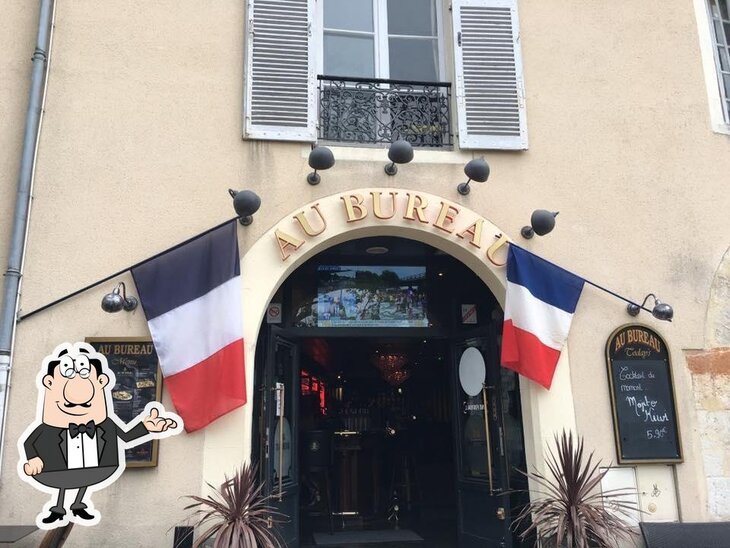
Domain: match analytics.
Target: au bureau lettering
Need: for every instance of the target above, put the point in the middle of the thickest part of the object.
(125, 348)
(384, 206)
(637, 337)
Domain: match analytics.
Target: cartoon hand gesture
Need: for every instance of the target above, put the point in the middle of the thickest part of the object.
(154, 423)
(33, 466)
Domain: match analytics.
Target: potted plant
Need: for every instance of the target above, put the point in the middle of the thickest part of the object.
(570, 509)
(237, 514)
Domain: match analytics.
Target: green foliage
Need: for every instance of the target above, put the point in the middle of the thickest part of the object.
(237, 514)
(570, 510)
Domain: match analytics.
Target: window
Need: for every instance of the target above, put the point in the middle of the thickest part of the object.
(386, 39)
(380, 66)
(720, 19)
(372, 71)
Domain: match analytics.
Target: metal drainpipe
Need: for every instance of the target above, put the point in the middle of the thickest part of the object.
(19, 231)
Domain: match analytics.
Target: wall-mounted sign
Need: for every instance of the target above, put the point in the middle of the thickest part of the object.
(468, 313)
(419, 210)
(642, 396)
(273, 313)
(138, 382)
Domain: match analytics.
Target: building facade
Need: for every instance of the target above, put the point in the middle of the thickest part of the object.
(614, 114)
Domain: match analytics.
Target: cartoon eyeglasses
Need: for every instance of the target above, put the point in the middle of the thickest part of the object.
(69, 367)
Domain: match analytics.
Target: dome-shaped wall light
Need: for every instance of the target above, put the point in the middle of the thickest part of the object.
(114, 301)
(400, 152)
(246, 203)
(475, 170)
(661, 311)
(320, 158)
(542, 222)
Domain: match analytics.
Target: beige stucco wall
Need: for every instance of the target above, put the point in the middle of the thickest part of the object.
(141, 140)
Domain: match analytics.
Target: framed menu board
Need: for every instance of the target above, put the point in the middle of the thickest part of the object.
(642, 396)
(138, 382)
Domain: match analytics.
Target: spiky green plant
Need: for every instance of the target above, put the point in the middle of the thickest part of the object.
(237, 513)
(570, 509)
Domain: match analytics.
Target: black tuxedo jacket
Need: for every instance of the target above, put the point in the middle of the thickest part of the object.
(49, 443)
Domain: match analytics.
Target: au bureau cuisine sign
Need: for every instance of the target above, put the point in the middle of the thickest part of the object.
(384, 206)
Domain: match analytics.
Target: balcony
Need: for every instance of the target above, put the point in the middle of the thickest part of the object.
(371, 111)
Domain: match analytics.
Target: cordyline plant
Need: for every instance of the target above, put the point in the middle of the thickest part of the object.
(237, 514)
(571, 510)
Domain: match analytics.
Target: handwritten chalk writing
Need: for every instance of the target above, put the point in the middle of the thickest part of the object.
(656, 433)
(631, 388)
(646, 409)
(628, 374)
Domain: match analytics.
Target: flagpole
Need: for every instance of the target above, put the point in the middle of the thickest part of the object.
(584, 279)
(120, 272)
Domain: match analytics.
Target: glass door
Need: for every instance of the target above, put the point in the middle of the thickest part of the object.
(481, 469)
(280, 414)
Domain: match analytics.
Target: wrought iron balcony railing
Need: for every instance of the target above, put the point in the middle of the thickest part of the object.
(372, 111)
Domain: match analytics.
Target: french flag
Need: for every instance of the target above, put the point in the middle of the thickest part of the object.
(191, 297)
(539, 307)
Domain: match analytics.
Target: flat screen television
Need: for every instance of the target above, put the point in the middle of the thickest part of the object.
(370, 296)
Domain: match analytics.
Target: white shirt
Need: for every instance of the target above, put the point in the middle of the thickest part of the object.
(82, 451)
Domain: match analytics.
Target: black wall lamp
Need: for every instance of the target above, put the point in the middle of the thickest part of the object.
(661, 311)
(475, 170)
(400, 152)
(246, 203)
(320, 158)
(114, 301)
(542, 222)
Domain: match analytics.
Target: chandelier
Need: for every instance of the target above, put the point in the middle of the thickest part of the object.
(392, 366)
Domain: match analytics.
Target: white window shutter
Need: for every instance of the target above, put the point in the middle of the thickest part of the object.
(490, 91)
(280, 84)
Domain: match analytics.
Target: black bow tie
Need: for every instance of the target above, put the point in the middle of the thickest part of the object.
(89, 429)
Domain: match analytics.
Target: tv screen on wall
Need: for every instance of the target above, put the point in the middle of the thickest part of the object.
(370, 296)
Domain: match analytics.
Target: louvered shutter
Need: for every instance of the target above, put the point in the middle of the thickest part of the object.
(488, 65)
(280, 88)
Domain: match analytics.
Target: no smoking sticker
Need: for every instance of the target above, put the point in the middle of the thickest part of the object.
(468, 313)
(273, 313)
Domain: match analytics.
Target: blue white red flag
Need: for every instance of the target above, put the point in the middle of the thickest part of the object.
(191, 297)
(539, 307)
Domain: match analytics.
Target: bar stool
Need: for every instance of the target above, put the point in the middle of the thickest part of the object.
(318, 460)
(403, 480)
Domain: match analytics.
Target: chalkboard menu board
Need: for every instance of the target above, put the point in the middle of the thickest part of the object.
(642, 396)
(138, 382)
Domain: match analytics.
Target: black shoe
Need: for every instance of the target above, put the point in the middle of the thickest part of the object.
(53, 516)
(82, 513)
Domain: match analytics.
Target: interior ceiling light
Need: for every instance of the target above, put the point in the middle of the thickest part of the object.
(377, 250)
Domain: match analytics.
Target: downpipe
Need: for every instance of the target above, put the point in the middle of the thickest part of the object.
(19, 231)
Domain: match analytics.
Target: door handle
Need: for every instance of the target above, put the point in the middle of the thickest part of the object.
(501, 513)
(280, 409)
(489, 443)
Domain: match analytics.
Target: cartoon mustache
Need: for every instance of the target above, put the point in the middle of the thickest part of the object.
(69, 404)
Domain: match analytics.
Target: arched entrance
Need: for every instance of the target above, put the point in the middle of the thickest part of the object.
(450, 228)
(382, 414)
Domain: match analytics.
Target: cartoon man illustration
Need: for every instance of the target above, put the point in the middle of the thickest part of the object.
(77, 442)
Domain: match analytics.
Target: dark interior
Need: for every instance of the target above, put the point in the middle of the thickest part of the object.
(379, 405)
(391, 441)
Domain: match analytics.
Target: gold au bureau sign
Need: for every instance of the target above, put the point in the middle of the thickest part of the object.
(138, 382)
(385, 206)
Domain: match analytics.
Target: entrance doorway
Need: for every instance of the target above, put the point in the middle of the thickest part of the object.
(383, 415)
